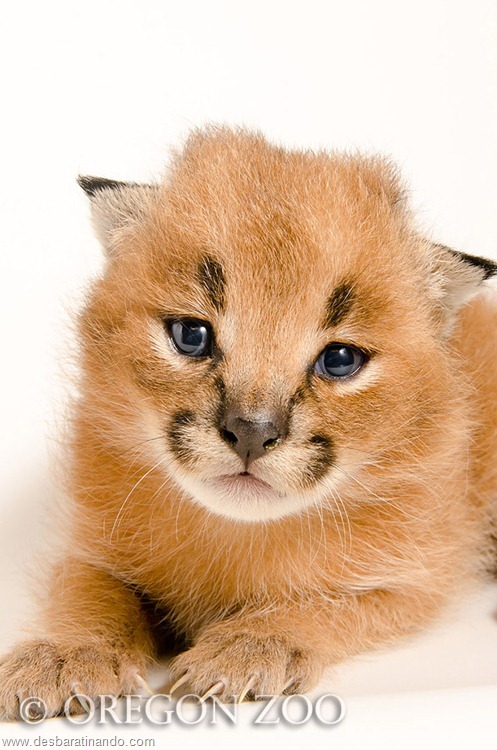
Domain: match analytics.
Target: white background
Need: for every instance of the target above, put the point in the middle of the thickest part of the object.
(107, 87)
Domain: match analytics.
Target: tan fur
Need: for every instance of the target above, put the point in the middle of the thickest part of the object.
(270, 590)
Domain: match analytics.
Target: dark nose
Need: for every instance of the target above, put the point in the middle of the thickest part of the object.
(250, 439)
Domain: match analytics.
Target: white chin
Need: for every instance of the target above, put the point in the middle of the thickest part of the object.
(242, 498)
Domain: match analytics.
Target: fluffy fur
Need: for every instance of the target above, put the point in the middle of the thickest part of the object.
(376, 503)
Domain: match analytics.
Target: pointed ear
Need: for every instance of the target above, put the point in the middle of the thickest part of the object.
(116, 205)
(458, 277)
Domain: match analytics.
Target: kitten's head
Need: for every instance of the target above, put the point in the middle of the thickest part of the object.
(269, 323)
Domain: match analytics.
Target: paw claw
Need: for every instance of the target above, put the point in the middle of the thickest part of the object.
(178, 684)
(216, 688)
(246, 689)
(286, 686)
(78, 690)
(143, 684)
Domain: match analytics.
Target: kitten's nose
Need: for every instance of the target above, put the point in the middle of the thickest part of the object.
(250, 439)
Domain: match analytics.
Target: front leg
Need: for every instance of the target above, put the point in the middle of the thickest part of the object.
(95, 642)
(265, 653)
(233, 661)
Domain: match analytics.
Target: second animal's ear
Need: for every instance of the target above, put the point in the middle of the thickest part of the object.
(115, 205)
(457, 277)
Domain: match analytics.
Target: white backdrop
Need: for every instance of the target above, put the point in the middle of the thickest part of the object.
(106, 87)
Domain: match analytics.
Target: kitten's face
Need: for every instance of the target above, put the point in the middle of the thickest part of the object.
(270, 325)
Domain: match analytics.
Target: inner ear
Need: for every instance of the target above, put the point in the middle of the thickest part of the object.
(116, 205)
(457, 277)
(486, 266)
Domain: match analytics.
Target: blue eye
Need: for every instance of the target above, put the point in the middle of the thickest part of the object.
(339, 361)
(193, 338)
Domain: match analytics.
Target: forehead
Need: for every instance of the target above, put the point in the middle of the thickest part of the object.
(244, 220)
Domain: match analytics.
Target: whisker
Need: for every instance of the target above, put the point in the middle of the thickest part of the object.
(121, 509)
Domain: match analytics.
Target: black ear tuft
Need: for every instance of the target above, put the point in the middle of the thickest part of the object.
(92, 185)
(116, 205)
(489, 267)
(486, 266)
(456, 278)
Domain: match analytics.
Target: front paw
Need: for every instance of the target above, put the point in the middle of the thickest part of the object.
(234, 666)
(52, 673)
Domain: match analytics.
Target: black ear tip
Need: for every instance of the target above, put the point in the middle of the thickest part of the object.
(92, 185)
(489, 267)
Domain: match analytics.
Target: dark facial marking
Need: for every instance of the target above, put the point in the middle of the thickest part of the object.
(221, 406)
(220, 386)
(176, 434)
(322, 458)
(211, 277)
(304, 391)
(320, 440)
(339, 305)
(298, 396)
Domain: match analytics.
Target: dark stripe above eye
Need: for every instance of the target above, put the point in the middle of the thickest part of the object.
(211, 277)
(339, 305)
